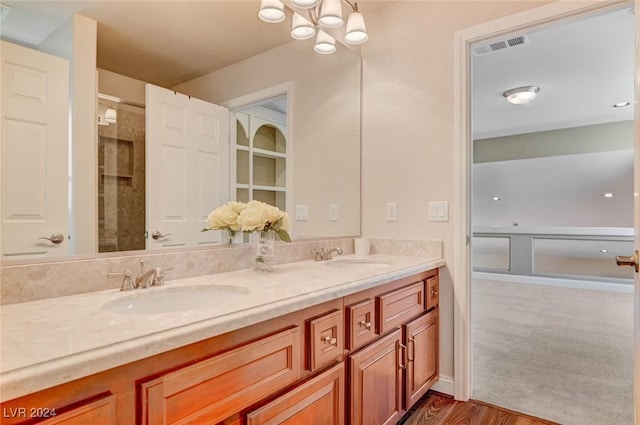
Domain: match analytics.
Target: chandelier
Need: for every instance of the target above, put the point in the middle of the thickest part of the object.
(320, 14)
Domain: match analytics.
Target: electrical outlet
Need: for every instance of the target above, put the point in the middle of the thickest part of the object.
(392, 211)
(333, 212)
(302, 212)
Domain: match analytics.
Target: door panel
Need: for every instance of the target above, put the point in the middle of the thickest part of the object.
(34, 155)
(187, 167)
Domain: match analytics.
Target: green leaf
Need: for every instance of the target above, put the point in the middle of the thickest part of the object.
(283, 235)
(205, 230)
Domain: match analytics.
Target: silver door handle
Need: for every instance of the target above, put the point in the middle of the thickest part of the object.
(632, 261)
(56, 238)
(157, 235)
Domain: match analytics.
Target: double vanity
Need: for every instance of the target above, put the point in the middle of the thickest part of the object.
(349, 340)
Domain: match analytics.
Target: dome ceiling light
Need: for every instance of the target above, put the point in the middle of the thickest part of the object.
(521, 95)
(320, 14)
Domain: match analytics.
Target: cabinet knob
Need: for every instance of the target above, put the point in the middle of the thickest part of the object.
(329, 340)
(363, 324)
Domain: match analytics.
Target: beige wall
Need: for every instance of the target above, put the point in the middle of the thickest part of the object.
(324, 126)
(408, 134)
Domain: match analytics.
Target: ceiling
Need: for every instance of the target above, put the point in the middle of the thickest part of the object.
(162, 42)
(582, 67)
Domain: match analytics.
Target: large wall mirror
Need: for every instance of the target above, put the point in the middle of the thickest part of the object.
(170, 45)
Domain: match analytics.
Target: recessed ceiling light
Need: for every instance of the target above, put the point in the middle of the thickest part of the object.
(621, 104)
(608, 195)
(496, 198)
(604, 251)
(521, 95)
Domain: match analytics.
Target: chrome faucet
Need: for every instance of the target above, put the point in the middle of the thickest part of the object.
(152, 277)
(325, 254)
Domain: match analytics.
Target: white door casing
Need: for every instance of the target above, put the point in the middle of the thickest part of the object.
(526, 20)
(187, 173)
(34, 154)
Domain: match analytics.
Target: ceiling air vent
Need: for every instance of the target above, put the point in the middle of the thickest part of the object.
(485, 49)
(4, 10)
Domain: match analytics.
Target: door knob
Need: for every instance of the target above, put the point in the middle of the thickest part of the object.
(56, 238)
(157, 235)
(632, 261)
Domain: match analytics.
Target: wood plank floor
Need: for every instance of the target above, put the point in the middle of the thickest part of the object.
(441, 409)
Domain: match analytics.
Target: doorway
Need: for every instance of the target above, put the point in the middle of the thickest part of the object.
(531, 20)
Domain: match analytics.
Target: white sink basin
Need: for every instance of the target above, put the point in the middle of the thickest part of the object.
(171, 300)
(356, 264)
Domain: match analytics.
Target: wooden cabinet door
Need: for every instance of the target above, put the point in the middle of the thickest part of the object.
(421, 336)
(212, 390)
(318, 401)
(376, 382)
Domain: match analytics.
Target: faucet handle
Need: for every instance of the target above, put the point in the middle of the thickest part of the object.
(159, 279)
(127, 281)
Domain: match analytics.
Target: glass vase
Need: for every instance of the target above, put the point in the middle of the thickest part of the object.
(264, 243)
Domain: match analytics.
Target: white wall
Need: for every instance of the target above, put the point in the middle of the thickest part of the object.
(408, 134)
(118, 85)
(324, 126)
(565, 191)
(76, 40)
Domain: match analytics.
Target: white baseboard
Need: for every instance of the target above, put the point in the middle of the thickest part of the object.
(552, 281)
(444, 385)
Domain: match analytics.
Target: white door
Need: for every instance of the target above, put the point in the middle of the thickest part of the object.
(34, 155)
(187, 167)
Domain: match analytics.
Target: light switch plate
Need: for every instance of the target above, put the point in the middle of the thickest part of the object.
(391, 210)
(302, 212)
(439, 211)
(333, 212)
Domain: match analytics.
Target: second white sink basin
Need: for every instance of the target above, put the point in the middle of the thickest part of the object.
(356, 263)
(171, 300)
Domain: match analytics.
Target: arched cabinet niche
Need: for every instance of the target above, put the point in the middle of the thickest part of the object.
(261, 156)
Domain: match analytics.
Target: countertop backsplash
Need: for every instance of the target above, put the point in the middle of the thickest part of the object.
(50, 279)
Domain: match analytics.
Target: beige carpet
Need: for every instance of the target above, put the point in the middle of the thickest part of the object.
(561, 354)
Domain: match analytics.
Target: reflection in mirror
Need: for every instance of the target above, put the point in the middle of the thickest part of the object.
(312, 159)
(121, 176)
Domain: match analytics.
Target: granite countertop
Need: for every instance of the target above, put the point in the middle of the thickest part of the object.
(53, 341)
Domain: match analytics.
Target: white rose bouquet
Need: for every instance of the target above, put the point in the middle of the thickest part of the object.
(250, 217)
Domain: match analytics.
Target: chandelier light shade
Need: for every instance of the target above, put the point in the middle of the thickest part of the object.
(271, 11)
(301, 28)
(521, 95)
(305, 4)
(311, 15)
(356, 29)
(325, 44)
(330, 14)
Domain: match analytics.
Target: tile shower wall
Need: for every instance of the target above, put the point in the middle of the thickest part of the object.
(28, 282)
(121, 181)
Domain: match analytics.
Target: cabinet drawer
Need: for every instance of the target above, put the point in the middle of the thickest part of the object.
(360, 323)
(325, 339)
(318, 401)
(400, 305)
(433, 291)
(101, 411)
(214, 389)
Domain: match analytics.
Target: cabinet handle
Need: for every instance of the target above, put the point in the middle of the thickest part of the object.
(409, 356)
(403, 363)
(363, 324)
(434, 293)
(329, 340)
